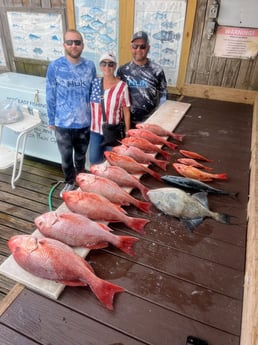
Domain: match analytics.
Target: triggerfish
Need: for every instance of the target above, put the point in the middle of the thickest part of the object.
(51, 259)
(190, 209)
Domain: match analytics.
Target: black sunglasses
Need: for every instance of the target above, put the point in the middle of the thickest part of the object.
(109, 63)
(76, 42)
(141, 46)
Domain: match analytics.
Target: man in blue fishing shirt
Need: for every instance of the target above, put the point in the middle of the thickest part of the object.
(68, 88)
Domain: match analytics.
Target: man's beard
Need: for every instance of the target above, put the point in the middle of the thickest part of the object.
(74, 56)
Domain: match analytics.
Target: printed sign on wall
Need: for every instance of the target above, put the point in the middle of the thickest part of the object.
(98, 23)
(240, 43)
(36, 35)
(163, 20)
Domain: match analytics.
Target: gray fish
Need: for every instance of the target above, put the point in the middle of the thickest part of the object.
(189, 209)
(189, 183)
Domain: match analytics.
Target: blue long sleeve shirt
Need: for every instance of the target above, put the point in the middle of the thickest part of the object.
(68, 89)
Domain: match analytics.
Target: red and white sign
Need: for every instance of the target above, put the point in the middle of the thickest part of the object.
(233, 42)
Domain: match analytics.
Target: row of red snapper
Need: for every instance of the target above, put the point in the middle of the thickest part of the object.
(99, 198)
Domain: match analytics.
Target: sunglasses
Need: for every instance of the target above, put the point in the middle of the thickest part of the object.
(109, 63)
(140, 46)
(70, 42)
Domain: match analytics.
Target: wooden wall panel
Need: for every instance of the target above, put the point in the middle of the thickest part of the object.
(204, 68)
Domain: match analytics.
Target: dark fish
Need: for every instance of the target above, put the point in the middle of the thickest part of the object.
(189, 183)
(191, 210)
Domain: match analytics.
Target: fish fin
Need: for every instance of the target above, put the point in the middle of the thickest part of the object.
(161, 164)
(72, 283)
(172, 146)
(144, 206)
(178, 137)
(165, 154)
(223, 218)
(105, 227)
(105, 292)
(144, 190)
(137, 224)
(56, 218)
(222, 176)
(126, 244)
(202, 198)
(191, 224)
(154, 174)
(98, 245)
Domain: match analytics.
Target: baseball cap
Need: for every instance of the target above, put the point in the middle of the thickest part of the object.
(140, 34)
(108, 56)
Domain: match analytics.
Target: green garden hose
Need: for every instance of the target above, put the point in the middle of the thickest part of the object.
(50, 205)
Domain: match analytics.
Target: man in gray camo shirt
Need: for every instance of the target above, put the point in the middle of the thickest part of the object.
(145, 79)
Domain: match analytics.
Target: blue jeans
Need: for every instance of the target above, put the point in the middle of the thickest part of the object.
(72, 144)
(96, 150)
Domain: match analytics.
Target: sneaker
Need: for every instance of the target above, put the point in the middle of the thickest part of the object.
(67, 188)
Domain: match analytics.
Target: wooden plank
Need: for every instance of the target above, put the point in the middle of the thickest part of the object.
(8, 300)
(10, 337)
(219, 93)
(70, 14)
(196, 41)
(250, 304)
(103, 327)
(126, 28)
(186, 43)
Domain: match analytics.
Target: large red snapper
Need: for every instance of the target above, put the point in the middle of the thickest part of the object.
(144, 145)
(111, 190)
(151, 137)
(159, 130)
(139, 155)
(120, 176)
(51, 259)
(97, 207)
(192, 172)
(77, 230)
(129, 164)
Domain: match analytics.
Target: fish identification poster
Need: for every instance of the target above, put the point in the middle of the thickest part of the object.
(163, 20)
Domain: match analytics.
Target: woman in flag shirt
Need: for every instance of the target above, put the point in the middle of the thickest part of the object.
(116, 102)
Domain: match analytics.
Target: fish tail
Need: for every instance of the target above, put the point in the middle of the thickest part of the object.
(223, 176)
(126, 244)
(178, 137)
(165, 154)
(207, 168)
(223, 218)
(105, 292)
(144, 190)
(143, 205)
(154, 174)
(171, 145)
(137, 224)
(161, 164)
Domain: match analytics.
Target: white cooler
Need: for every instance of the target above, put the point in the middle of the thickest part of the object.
(29, 91)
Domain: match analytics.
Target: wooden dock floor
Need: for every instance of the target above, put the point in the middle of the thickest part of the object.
(180, 283)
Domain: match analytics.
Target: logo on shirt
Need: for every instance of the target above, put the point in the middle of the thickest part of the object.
(138, 84)
(79, 83)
